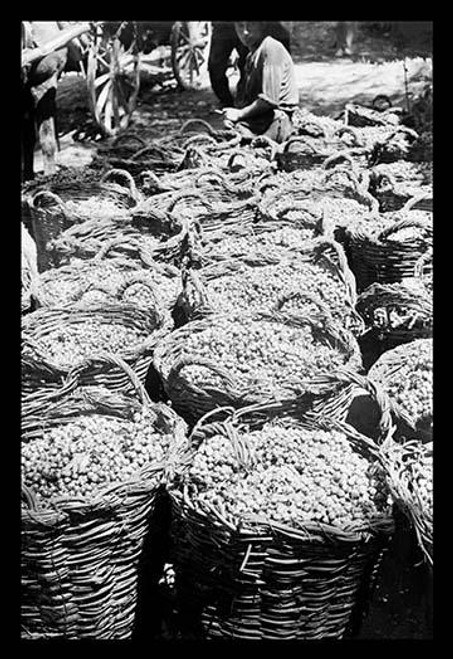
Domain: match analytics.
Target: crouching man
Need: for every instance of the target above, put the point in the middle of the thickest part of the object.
(269, 95)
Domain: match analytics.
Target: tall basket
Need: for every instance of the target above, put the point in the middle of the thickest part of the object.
(250, 577)
(82, 558)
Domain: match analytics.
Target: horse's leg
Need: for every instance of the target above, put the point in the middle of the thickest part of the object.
(28, 137)
(45, 117)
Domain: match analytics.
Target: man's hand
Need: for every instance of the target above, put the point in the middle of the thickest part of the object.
(231, 114)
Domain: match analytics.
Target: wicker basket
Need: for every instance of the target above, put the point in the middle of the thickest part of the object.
(42, 375)
(199, 297)
(301, 152)
(135, 155)
(401, 463)
(82, 560)
(159, 240)
(280, 231)
(221, 388)
(379, 114)
(394, 193)
(376, 256)
(59, 207)
(256, 579)
(68, 284)
(395, 146)
(397, 313)
(386, 371)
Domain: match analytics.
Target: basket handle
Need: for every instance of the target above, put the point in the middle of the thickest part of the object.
(402, 129)
(413, 201)
(115, 360)
(235, 154)
(152, 148)
(123, 178)
(29, 498)
(205, 363)
(199, 122)
(150, 180)
(137, 279)
(212, 174)
(303, 295)
(379, 98)
(351, 379)
(338, 157)
(200, 137)
(404, 223)
(262, 140)
(325, 243)
(186, 195)
(51, 198)
(297, 139)
(421, 261)
(348, 130)
(125, 137)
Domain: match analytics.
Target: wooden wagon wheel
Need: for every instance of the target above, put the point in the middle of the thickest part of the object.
(113, 80)
(190, 43)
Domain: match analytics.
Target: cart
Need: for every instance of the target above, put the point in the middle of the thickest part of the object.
(111, 61)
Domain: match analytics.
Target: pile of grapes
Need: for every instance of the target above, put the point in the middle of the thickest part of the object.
(89, 453)
(288, 474)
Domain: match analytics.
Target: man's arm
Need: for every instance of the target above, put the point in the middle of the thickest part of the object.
(258, 107)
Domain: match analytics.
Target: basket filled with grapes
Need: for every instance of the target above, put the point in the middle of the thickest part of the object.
(121, 237)
(278, 528)
(70, 198)
(406, 375)
(56, 340)
(267, 281)
(114, 279)
(93, 469)
(395, 184)
(408, 470)
(251, 359)
(397, 313)
(386, 249)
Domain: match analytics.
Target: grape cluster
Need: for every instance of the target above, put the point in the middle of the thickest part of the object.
(289, 475)
(89, 453)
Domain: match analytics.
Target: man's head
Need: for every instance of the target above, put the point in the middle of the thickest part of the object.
(250, 33)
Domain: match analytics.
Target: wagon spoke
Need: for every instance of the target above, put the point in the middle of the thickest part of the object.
(105, 77)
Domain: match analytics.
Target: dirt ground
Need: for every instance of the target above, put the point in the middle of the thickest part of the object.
(399, 609)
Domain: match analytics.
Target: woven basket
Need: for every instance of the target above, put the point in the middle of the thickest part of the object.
(359, 115)
(196, 300)
(397, 313)
(256, 579)
(132, 238)
(401, 463)
(376, 257)
(386, 372)
(280, 230)
(223, 389)
(392, 193)
(395, 146)
(135, 155)
(55, 210)
(41, 375)
(301, 152)
(82, 560)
